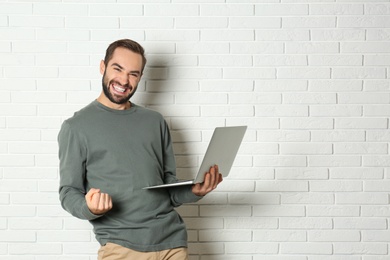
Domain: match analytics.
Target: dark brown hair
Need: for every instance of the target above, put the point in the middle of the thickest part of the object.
(127, 44)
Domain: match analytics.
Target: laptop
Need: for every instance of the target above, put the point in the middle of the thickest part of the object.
(222, 151)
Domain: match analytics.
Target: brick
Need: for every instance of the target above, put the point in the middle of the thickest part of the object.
(307, 248)
(146, 22)
(309, 22)
(62, 34)
(63, 236)
(32, 21)
(57, 9)
(225, 235)
(88, 22)
(225, 60)
(191, 22)
(335, 60)
(31, 72)
(255, 22)
(280, 161)
(335, 186)
(334, 236)
(253, 199)
(278, 211)
(226, 85)
(378, 34)
(376, 85)
(303, 73)
(227, 111)
(226, 211)
(360, 123)
(376, 160)
(80, 248)
(254, 248)
(255, 98)
(356, 173)
(108, 35)
(360, 148)
(307, 198)
(282, 110)
(16, 8)
(336, 111)
(305, 223)
(357, 34)
(305, 148)
(283, 35)
(172, 35)
(338, 136)
(35, 249)
(10, 236)
(279, 235)
(280, 85)
(333, 211)
(171, 10)
(309, 98)
(243, 73)
(34, 122)
(281, 9)
(378, 135)
(283, 136)
(335, 85)
(364, 47)
(36, 199)
(363, 22)
(280, 60)
(227, 35)
(302, 174)
(12, 59)
(227, 10)
(361, 198)
(202, 47)
(15, 34)
(334, 161)
(120, 9)
(249, 47)
(361, 248)
(311, 48)
(192, 73)
(375, 236)
(336, 9)
(17, 211)
(306, 123)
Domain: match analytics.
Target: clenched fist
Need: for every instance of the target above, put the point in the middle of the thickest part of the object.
(98, 202)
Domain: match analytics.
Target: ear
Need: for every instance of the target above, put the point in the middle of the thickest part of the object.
(102, 67)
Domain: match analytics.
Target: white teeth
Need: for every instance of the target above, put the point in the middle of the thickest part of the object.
(119, 89)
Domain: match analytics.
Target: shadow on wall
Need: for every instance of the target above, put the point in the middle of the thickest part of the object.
(157, 92)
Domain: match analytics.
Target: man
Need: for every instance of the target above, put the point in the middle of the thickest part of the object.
(109, 151)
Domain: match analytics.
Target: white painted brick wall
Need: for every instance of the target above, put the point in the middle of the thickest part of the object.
(309, 78)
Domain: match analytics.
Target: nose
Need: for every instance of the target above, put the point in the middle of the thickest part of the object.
(124, 78)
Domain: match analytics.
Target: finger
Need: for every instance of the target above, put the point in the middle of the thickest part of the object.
(91, 192)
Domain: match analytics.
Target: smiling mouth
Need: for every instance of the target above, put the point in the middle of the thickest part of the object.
(118, 88)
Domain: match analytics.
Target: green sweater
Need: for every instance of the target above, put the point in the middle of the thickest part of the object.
(120, 152)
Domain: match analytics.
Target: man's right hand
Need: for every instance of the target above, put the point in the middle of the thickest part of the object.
(98, 202)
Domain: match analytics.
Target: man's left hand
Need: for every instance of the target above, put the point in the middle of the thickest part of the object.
(211, 181)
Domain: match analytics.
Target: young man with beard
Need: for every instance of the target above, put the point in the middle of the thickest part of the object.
(109, 151)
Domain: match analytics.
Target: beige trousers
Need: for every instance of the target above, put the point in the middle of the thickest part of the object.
(112, 251)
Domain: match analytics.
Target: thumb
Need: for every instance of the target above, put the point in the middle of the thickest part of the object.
(92, 192)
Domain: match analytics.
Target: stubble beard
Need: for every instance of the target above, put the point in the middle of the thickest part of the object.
(113, 98)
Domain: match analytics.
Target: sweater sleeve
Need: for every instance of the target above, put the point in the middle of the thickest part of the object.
(181, 194)
(72, 156)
